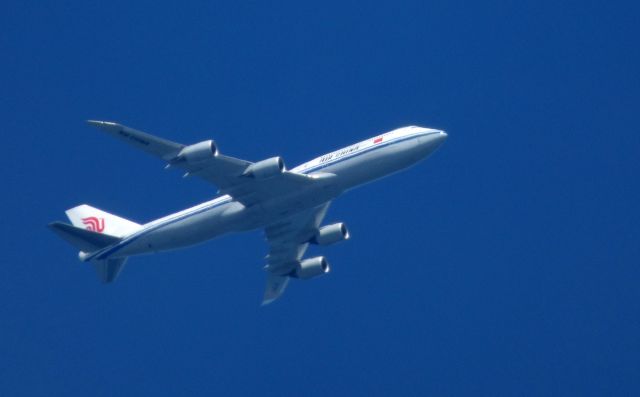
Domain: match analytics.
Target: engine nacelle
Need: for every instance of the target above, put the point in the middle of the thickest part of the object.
(312, 267)
(331, 234)
(266, 168)
(199, 152)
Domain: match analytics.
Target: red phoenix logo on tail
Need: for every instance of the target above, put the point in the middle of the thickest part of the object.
(94, 224)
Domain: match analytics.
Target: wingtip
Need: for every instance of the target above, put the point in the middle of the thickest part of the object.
(99, 123)
(266, 302)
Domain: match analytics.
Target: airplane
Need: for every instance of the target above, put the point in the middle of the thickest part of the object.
(288, 204)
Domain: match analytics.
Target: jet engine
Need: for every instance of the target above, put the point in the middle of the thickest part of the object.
(330, 234)
(312, 267)
(266, 168)
(199, 152)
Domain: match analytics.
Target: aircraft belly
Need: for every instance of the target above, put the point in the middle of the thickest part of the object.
(185, 231)
(230, 217)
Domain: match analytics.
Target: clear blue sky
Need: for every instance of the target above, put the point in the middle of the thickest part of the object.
(506, 264)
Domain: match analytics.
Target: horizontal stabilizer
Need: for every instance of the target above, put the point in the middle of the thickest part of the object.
(84, 240)
(108, 270)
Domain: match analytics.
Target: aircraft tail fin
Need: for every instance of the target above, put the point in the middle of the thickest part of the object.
(96, 220)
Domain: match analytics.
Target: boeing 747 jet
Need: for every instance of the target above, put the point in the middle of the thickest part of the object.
(289, 204)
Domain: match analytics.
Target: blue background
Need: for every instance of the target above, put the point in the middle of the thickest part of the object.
(506, 264)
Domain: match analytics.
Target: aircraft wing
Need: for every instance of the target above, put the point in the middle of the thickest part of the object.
(288, 240)
(232, 176)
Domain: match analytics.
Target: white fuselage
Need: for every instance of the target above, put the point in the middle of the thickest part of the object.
(338, 171)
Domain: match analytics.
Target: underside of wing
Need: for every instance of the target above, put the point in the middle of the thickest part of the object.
(153, 145)
(247, 182)
(288, 241)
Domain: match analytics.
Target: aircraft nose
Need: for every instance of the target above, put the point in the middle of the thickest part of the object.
(433, 140)
(429, 142)
(441, 137)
